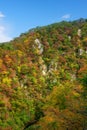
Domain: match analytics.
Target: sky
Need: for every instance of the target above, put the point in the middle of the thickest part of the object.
(18, 16)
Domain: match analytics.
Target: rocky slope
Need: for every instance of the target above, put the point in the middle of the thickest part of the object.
(43, 78)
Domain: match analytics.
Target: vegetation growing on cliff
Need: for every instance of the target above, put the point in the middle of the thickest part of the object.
(43, 78)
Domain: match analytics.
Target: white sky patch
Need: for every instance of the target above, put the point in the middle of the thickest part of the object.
(4, 29)
(66, 16)
(2, 15)
(3, 35)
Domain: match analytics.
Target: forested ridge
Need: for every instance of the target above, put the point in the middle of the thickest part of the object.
(43, 78)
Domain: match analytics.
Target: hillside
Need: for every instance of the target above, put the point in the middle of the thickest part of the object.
(43, 78)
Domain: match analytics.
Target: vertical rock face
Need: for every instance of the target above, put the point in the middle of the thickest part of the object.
(73, 77)
(44, 69)
(86, 50)
(81, 51)
(53, 66)
(79, 32)
(69, 37)
(39, 46)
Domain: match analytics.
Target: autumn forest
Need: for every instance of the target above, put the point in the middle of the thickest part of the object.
(43, 78)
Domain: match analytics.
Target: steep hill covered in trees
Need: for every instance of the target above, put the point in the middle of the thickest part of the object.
(43, 78)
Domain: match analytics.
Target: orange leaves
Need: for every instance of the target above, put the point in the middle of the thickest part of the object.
(1, 62)
(8, 128)
(19, 53)
(49, 119)
(6, 101)
(7, 59)
(62, 59)
(3, 70)
(82, 71)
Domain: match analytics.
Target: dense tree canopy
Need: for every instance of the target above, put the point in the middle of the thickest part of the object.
(43, 78)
